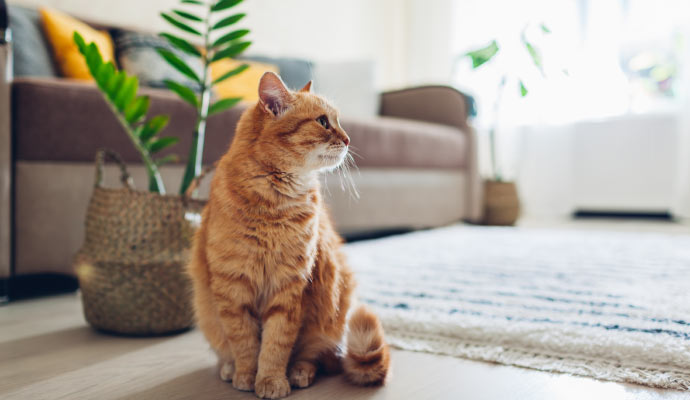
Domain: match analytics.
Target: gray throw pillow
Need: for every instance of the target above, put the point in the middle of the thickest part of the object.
(32, 56)
(136, 54)
(350, 85)
(294, 71)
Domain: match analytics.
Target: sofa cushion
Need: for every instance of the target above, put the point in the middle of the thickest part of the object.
(294, 71)
(349, 85)
(244, 84)
(30, 49)
(395, 142)
(68, 120)
(59, 29)
(136, 54)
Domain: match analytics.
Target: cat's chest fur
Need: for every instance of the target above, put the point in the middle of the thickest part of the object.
(269, 246)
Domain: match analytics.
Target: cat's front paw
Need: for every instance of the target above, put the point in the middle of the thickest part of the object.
(272, 387)
(243, 381)
(302, 374)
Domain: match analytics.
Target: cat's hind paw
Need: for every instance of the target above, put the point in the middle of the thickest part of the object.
(227, 369)
(302, 374)
(243, 381)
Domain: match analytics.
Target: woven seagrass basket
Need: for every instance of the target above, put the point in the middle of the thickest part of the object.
(131, 267)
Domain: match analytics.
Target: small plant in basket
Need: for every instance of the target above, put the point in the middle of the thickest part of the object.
(120, 93)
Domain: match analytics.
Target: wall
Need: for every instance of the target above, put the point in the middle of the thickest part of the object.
(312, 29)
(429, 30)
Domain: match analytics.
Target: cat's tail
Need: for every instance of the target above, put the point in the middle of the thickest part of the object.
(368, 357)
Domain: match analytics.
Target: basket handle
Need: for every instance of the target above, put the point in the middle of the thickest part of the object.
(196, 182)
(125, 178)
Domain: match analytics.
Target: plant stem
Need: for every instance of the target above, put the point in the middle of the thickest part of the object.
(155, 181)
(492, 132)
(196, 152)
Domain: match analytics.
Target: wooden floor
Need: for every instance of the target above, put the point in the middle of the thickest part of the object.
(47, 351)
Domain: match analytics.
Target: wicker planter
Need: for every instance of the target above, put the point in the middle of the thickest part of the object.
(131, 268)
(501, 203)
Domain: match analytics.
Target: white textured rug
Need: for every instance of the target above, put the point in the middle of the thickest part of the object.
(613, 306)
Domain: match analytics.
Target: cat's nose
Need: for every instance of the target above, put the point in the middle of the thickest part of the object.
(346, 140)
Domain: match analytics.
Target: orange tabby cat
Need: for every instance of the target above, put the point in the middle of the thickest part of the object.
(272, 290)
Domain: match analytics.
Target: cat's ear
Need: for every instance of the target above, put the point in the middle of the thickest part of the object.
(306, 88)
(273, 95)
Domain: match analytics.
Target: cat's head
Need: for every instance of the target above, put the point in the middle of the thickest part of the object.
(298, 130)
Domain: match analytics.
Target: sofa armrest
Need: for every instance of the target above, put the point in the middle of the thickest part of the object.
(440, 104)
(447, 106)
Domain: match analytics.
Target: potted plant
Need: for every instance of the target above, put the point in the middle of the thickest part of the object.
(219, 42)
(131, 267)
(501, 201)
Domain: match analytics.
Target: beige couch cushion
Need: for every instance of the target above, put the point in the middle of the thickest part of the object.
(392, 142)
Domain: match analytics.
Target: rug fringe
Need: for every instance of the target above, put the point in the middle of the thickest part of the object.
(581, 366)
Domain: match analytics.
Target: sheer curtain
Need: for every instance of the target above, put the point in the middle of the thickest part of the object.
(681, 204)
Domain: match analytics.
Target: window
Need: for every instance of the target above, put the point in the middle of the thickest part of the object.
(621, 56)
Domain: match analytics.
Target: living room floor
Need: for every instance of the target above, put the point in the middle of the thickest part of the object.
(48, 352)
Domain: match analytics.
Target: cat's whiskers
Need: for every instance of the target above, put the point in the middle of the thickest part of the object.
(353, 151)
(346, 180)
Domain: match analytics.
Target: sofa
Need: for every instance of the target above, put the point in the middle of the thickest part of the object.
(417, 163)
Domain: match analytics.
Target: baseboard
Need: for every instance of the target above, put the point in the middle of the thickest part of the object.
(649, 215)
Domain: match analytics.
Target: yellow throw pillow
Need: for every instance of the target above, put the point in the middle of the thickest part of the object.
(246, 84)
(59, 29)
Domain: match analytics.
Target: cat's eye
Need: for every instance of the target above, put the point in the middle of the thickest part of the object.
(323, 120)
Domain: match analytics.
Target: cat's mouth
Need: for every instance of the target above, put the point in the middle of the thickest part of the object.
(334, 158)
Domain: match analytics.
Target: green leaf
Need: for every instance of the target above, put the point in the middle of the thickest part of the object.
(234, 35)
(483, 55)
(523, 89)
(103, 75)
(545, 29)
(178, 64)
(114, 84)
(534, 53)
(222, 105)
(231, 73)
(153, 126)
(228, 21)
(137, 109)
(160, 144)
(187, 15)
(184, 92)
(195, 2)
(79, 40)
(182, 44)
(231, 51)
(167, 159)
(225, 4)
(180, 25)
(126, 93)
(93, 58)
